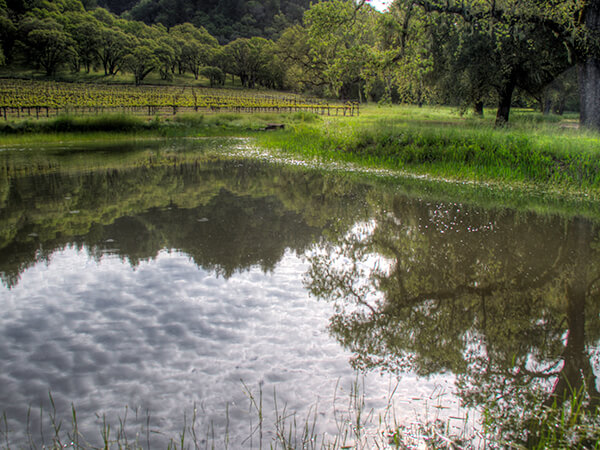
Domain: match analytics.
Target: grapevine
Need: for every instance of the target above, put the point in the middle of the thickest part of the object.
(35, 99)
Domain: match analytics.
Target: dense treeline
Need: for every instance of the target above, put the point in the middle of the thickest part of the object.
(63, 35)
(420, 51)
(227, 20)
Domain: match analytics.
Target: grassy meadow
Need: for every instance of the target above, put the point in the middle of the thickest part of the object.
(547, 152)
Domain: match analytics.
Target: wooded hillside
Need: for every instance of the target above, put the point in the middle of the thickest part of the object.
(419, 51)
(226, 20)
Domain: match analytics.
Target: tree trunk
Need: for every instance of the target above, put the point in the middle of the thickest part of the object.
(478, 108)
(589, 93)
(588, 71)
(360, 100)
(560, 108)
(504, 102)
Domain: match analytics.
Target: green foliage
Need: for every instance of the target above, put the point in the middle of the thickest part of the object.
(83, 28)
(46, 43)
(188, 31)
(214, 75)
(112, 48)
(117, 6)
(250, 60)
(417, 52)
(141, 61)
(166, 52)
(405, 55)
(7, 32)
(225, 19)
(339, 41)
(62, 124)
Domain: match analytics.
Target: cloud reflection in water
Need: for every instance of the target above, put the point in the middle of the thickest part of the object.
(164, 336)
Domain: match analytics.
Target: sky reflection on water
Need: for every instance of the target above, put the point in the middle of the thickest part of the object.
(158, 279)
(167, 334)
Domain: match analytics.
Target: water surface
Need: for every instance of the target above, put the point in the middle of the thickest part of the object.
(152, 279)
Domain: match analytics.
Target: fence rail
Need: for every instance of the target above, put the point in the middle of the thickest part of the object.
(38, 112)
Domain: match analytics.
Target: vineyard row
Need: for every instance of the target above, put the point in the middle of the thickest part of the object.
(38, 112)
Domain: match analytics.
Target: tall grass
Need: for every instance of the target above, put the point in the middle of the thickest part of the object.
(567, 425)
(271, 427)
(531, 152)
(117, 123)
(96, 127)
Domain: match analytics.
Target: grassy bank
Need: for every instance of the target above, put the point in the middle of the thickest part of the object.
(78, 127)
(538, 151)
(546, 152)
(121, 127)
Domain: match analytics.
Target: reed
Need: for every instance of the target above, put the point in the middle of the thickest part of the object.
(271, 427)
(567, 424)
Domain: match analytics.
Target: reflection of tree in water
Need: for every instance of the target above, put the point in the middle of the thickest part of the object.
(228, 234)
(508, 302)
(228, 215)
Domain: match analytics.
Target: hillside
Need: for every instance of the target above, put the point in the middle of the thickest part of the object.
(225, 19)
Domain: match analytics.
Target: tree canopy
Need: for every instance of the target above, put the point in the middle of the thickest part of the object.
(467, 53)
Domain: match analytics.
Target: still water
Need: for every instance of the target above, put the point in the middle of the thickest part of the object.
(143, 282)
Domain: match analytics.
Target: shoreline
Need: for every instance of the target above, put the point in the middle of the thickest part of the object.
(531, 155)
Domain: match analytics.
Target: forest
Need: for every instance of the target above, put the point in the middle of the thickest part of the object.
(469, 54)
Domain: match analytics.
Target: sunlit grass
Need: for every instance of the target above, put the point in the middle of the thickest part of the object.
(442, 143)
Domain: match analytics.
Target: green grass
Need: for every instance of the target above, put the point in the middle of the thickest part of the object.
(122, 126)
(115, 123)
(543, 152)
(439, 143)
(98, 77)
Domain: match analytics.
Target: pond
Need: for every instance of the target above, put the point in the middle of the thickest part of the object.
(181, 290)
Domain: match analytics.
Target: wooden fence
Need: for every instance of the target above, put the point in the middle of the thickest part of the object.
(38, 112)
